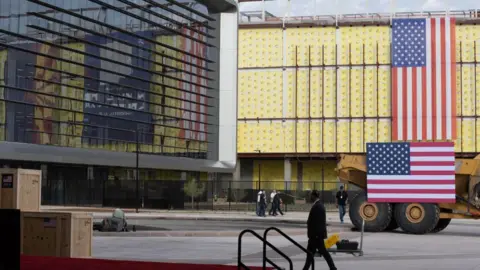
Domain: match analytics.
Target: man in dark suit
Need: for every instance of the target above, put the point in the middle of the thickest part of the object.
(317, 232)
(277, 203)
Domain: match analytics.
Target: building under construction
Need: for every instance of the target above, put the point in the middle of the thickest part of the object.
(311, 88)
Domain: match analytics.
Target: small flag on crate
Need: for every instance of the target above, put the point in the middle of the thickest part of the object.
(411, 172)
(49, 222)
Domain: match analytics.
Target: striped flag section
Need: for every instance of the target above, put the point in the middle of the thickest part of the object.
(411, 172)
(423, 79)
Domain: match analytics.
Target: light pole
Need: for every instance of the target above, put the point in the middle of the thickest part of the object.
(137, 173)
(259, 169)
(259, 179)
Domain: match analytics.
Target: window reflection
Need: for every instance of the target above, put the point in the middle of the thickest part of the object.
(100, 78)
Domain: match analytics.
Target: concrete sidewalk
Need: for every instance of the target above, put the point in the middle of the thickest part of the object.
(289, 217)
(146, 214)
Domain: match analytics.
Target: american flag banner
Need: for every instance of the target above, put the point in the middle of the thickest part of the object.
(423, 79)
(411, 172)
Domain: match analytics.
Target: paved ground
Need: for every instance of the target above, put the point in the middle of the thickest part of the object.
(176, 228)
(454, 248)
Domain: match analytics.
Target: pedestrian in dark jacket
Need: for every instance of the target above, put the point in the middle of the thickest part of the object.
(272, 211)
(263, 204)
(277, 201)
(342, 197)
(317, 232)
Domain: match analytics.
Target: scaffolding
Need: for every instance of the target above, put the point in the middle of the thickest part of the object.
(265, 17)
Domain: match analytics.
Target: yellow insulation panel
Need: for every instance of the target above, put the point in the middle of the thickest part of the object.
(315, 96)
(359, 45)
(260, 48)
(467, 36)
(329, 93)
(316, 138)
(477, 139)
(370, 92)
(343, 98)
(327, 136)
(260, 94)
(384, 92)
(358, 93)
(466, 92)
(468, 131)
(343, 136)
(333, 136)
(299, 40)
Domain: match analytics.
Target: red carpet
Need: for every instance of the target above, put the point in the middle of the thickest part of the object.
(55, 263)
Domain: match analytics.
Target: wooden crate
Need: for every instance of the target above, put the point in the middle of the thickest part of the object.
(59, 234)
(20, 189)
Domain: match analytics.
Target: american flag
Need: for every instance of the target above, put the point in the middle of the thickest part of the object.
(423, 79)
(411, 172)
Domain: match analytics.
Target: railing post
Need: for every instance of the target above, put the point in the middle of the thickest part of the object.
(229, 196)
(212, 193)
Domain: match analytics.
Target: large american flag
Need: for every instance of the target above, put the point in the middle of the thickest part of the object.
(423, 79)
(411, 172)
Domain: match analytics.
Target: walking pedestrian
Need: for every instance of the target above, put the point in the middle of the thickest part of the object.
(258, 202)
(342, 197)
(277, 202)
(317, 232)
(273, 209)
(263, 204)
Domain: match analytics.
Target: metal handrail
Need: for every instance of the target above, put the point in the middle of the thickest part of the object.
(289, 239)
(241, 265)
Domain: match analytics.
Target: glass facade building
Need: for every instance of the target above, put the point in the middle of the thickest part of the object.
(86, 84)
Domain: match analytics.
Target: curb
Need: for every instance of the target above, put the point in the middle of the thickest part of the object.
(295, 232)
(246, 219)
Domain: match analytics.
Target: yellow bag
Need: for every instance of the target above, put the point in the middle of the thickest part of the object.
(332, 240)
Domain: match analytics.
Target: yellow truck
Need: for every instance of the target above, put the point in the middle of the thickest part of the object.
(413, 218)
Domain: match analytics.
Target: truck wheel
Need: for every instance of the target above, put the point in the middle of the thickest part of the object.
(393, 223)
(441, 225)
(443, 222)
(417, 218)
(377, 216)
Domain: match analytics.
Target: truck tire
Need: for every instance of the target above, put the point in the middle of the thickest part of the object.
(443, 222)
(417, 218)
(441, 225)
(393, 223)
(377, 216)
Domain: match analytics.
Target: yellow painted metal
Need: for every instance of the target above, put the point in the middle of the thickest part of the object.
(461, 208)
(458, 216)
(368, 211)
(415, 213)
